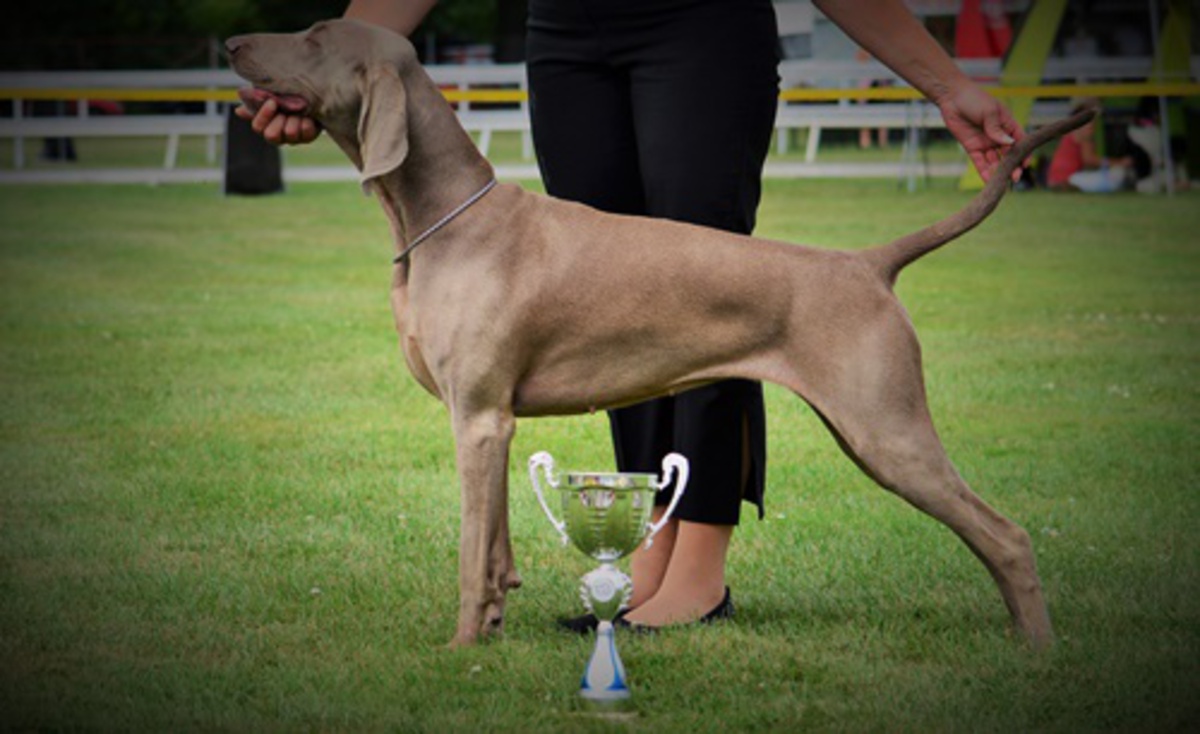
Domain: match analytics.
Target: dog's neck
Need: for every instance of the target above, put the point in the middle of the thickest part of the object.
(443, 167)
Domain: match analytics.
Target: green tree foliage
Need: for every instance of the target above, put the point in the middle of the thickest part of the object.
(83, 34)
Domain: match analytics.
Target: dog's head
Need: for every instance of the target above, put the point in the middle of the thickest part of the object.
(343, 74)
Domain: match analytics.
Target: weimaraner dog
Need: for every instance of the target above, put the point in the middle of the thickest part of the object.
(517, 304)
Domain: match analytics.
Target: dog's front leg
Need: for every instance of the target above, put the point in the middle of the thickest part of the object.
(485, 563)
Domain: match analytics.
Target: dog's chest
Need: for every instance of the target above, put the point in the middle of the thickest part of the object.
(416, 364)
(410, 344)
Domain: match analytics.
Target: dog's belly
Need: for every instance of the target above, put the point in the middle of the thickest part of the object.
(533, 399)
(599, 382)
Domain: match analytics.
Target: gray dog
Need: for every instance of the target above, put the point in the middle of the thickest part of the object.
(517, 304)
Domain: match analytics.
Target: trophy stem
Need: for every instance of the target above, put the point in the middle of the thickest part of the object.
(604, 678)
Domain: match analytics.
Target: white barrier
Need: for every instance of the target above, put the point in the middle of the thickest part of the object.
(484, 119)
(914, 115)
(911, 116)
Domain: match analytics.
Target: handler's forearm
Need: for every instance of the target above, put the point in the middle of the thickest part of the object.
(893, 35)
(401, 16)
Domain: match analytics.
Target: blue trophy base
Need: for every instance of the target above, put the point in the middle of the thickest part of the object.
(604, 678)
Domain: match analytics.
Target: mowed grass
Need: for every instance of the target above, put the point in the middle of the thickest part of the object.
(224, 504)
(506, 147)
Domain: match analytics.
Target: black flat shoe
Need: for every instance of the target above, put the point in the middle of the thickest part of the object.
(724, 610)
(585, 624)
(581, 625)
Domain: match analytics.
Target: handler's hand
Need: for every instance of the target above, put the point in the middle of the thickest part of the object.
(984, 127)
(271, 117)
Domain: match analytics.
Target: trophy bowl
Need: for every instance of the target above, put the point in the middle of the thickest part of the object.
(606, 515)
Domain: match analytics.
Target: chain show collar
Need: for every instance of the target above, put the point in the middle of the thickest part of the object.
(444, 221)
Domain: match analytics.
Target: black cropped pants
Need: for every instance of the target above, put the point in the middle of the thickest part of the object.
(665, 108)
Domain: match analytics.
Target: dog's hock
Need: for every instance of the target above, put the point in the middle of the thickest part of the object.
(382, 123)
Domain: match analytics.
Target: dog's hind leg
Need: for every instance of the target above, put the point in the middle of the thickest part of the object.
(876, 408)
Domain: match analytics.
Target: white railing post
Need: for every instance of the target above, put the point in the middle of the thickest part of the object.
(18, 141)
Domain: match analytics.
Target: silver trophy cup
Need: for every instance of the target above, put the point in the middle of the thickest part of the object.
(606, 515)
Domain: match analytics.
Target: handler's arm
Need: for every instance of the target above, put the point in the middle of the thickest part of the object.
(893, 35)
(886, 28)
(401, 16)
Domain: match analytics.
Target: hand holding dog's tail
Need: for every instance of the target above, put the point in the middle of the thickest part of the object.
(894, 256)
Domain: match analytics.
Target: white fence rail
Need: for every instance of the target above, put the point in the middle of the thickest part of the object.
(211, 122)
(486, 119)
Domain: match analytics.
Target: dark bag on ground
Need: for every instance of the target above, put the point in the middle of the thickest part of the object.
(252, 165)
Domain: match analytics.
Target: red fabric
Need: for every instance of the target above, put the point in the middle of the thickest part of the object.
(982, 30)
(998, 30)
(1068, 159)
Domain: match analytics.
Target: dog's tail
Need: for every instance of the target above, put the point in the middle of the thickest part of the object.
(891, 258)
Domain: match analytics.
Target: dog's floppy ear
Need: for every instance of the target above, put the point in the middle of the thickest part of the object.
(382, 122)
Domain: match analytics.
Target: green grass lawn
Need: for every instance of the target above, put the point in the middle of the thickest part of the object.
(224, 504)
(506, 147)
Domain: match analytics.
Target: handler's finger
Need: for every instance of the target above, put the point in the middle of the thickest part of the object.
(264, 117)
(1014, 129)
(273, 133)
(292, 132)
(995, 129)
(997, 157)
(982, 165)
(309, 130)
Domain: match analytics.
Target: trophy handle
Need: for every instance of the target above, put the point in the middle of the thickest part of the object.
(679, 464)
(546, 462)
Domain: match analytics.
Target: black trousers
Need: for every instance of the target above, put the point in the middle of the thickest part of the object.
(665, 108)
